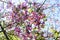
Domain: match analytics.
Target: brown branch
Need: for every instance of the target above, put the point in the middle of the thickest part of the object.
(4, 32)
(39, 9)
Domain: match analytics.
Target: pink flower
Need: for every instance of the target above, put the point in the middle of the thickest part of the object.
(17, 31)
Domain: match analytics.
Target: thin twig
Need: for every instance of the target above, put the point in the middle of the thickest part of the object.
(42, 4)
(50, 7)
(3, 1)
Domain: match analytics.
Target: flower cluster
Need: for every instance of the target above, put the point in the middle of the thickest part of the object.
(27, 21)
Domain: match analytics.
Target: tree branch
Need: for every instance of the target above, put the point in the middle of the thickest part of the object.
(42, 4)
(4, 32)
(39, 9)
